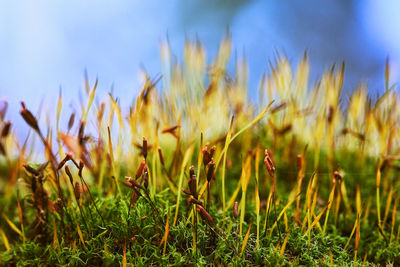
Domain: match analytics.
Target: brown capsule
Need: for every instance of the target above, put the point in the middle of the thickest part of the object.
(299, 162)
(68, 172)
(235, 210)
(144, 147)
(30, 169)
(134, 182)
(192, 186)
(33, 185)
(50, 206)
(170, 130)
(140, 169)
(331, 112)
(3, 109)
(101, 111)
(81, 133)
(191, 171)
(29, 118)
(285, 129)
(337, 177)
(134, 198)
(212, 150)
(279, 107)
(127, 184)
(77, 190)
(206, 155)
(271, 156)
(42, 167)
(137, 192)
(186, 191)
(58, 205)
(71, 121)
(62, 163)
(210, 172)
(228, 163)
(143, 217)
(72, 159)
(6, 129)
(269, 167)
(196, 201)
(84, 189)
(2, 149)
(205, 215)
(145, 177)
(81, 165)
(269, 163)
(161, 155)
(263, 204)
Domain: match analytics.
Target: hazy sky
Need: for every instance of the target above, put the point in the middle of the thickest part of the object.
(48, 44)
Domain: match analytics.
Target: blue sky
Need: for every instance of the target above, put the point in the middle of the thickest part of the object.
(48, 44)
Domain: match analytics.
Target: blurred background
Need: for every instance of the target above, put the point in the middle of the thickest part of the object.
(48, 44)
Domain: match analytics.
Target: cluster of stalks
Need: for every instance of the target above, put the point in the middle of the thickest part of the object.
(314, 177)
